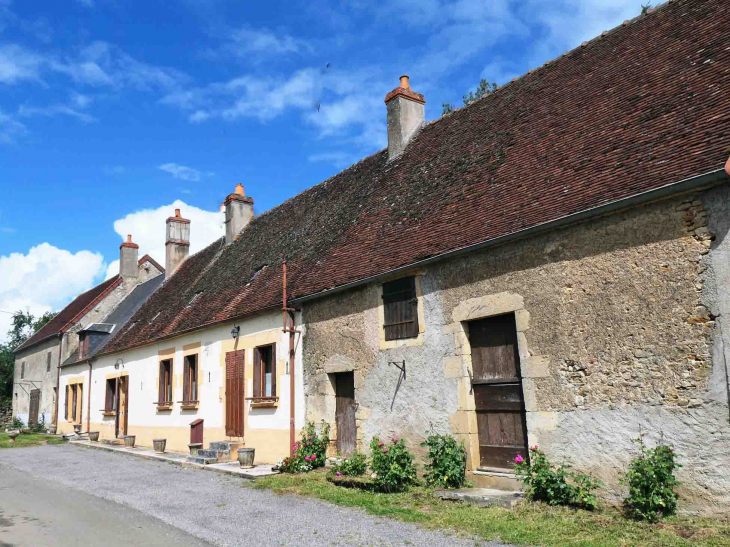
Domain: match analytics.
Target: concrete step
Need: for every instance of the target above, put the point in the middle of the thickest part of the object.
(201, 460)
(207, 453)
(499, 480)
(483, 497)
(227, 450)
(220, 445)
(112, 442)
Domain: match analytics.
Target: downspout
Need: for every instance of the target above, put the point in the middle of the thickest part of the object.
(88, 414)
(58, 380)
(285, 313)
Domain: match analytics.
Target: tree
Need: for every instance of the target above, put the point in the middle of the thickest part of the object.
(483, 89)
(23, 327)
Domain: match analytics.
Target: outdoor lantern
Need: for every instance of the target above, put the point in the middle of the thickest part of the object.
(119, 362)
(235, 331)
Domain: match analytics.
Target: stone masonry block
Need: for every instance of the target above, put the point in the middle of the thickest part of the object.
(522, 346)
(465, 398)
(535, 366)
(522, 320)
(454, 367)
(528, 391)
(541, 421)
(486, 306)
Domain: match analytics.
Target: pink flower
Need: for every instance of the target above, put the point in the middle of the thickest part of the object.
(309, 438)
(518, 459)
(374, 476)
(344, 459)
(313, 457)
(380, 445)
(338, 474)
(306, 458)
(534, 448)
(385, 450)
(395, 439)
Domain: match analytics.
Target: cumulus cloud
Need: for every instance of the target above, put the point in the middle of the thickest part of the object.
(44, 279)
(147, 228)
(181, 171)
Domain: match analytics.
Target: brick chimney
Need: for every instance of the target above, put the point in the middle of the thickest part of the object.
(239, 212)
(406, 115)
(128, 268)
(177, 242)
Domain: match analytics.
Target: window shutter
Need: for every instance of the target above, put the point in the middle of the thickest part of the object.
(257, 373)
(400, 306)
(81, 403)
(65, 404)
(187, 385)
(109, 401)
(162, 387)
(273, 370)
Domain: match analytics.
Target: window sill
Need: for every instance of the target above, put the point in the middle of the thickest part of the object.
(108, 413)
(190, 406)
(262, 402)
(163, 407)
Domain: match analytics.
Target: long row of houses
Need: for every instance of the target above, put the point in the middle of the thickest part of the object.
(547, 265)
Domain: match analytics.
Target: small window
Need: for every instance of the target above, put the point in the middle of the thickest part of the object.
(83, 345)
(190, 380)
(22, 370)
(165, 397)
(400, 307)
(110, 403)
(264, 372)
(48, 362)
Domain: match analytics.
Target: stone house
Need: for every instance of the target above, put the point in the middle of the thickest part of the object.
(547, 265)
(38, 359)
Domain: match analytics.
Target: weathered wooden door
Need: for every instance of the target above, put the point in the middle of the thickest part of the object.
(122, 405)
(498, 395)
(345, 409)
(235, 394)
(35, 403)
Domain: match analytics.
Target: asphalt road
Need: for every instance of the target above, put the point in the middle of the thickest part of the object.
(68, 495)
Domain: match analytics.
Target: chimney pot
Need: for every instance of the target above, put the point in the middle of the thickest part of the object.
(239, 190)
(128, 266)
(177, 242)
(129, 238)
(177, 213)
(406, 115)
(239, 212)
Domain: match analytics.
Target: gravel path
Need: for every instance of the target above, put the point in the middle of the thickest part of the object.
(214, 507)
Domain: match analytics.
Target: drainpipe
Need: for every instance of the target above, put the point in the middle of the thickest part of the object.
(88, 414)
(58, 380)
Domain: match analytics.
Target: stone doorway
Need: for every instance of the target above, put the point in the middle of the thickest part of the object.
(345, 412)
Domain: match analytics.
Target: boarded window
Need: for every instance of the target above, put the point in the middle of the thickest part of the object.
(165, 395)
(264, 371)
(400, 307)
(83, 346)
(48, 362)
(22, 370)
(65, 404)
(190, 379)
(110, 402)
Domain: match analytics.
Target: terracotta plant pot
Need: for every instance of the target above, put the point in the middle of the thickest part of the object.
(194, 447)
(13, 435)
(129, 441)
(245, 457)
(94, 436)
(159, 445)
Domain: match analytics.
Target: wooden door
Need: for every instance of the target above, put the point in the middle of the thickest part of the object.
(235, 394)
(345, 410)
(498, 395)
(123, 405)
(35, 403)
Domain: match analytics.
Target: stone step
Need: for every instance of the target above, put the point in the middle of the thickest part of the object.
(499, 480)
(201, 460)
(112, 442)
(483, 497)
(220, 445)
(207, 453)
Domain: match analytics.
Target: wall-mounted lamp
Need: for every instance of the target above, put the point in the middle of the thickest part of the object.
(120, 362)
(235, 331)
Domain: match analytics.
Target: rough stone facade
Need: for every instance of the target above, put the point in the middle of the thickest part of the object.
(618, 324)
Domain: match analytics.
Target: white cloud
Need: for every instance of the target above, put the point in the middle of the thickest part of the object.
(44, 279)
(338, 159)
(246, 41)
(10, 128)
(18, 63)
(147, 228)
(181, 172)
(54, 110)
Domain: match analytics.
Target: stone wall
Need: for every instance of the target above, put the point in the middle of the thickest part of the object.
(618, 323)
(6, 416)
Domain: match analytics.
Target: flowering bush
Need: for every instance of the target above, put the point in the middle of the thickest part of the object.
(392, 464)
(651, 484)
(351, 466)
(447, 461)
(310, 452)
(543, 482)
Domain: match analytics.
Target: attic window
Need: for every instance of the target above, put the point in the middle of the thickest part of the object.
(194, 298)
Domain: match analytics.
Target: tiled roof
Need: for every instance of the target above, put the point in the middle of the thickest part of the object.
(639, 108)
(71, 313)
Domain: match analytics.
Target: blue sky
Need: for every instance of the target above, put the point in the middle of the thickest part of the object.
(113, 112)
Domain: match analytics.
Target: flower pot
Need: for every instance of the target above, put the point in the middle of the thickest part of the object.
(194, 447)
(77, 428)
(245, 457)
(129, 441)
(13, 435)
(52, 429)
(25, 431)
(159, 445)
(94, 436)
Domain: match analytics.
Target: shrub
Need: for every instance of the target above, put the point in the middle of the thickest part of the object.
(447, 461)
(351, 466)
(651, 483)
(310, 452)
(17, 423)
(549, 484)
(39, 426)
(393, 467)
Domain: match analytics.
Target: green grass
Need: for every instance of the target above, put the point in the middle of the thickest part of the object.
(529, 524)
(30, 439)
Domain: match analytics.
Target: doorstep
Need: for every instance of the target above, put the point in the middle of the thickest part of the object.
(483, 497)
(177, 458)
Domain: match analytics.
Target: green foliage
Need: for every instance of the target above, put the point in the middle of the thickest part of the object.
(310, 452)
(448, 108)
(39, 426)
(651, 483)
(393, 467)
(645, 8)
(549, 484)
(17, 423)
(351, 466)
(483, 89)
(24, 326)
(447, 461)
